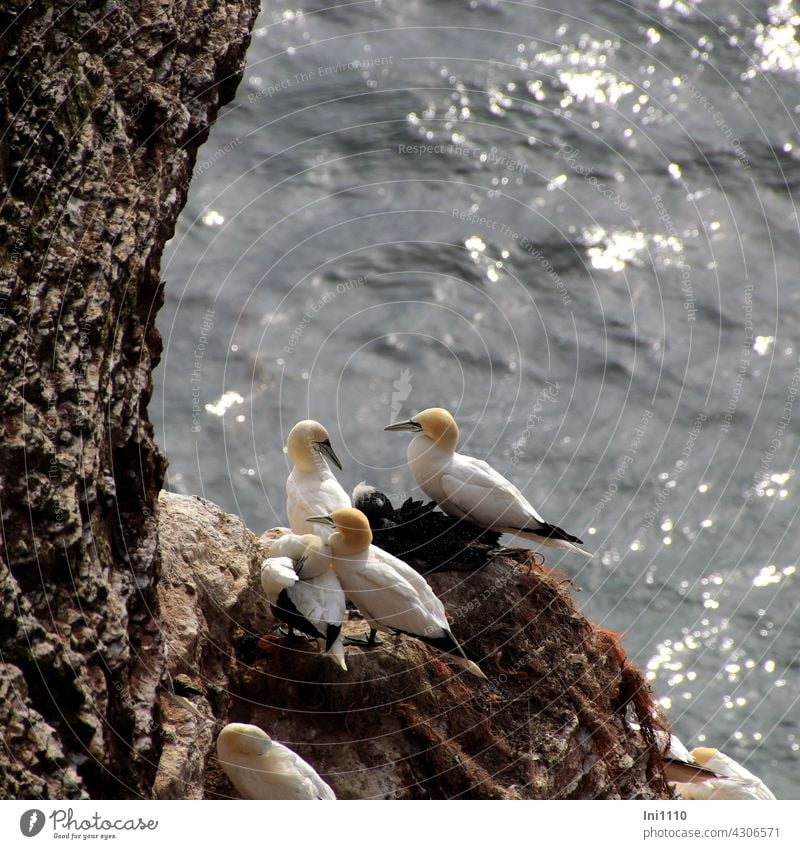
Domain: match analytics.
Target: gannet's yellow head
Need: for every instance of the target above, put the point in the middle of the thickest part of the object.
(353, 533)
(703, 755)
(435, 423)
(242, 739)
(308, 440)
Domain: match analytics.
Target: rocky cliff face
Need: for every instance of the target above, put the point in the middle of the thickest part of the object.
(403, 722)
(102, 110)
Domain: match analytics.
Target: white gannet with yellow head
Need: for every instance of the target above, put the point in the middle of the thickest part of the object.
(390, 594)
(260, 768)
(468, 488)
(710, 774)
(311, 488)
(304, 592)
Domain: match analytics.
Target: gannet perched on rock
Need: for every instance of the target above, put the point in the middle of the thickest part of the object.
(710, 774)
(260, 768)
(465, 487)
(389, 593)
(304, 592)
(311, 488)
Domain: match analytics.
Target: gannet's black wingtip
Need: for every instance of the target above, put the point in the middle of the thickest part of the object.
(553, 532)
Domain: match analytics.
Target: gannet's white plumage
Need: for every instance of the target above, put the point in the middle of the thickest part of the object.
(310, 548)
(390, 594)
(304, 591)
(311, 488)
(260, 768)
(468, 488)
(715, 775)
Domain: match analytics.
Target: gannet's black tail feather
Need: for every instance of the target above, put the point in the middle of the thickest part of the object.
(448, 644)
(550, 535)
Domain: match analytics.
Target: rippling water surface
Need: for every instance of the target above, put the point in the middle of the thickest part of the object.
(576, 230)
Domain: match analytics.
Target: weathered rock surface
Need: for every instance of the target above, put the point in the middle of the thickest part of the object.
(102, 110)
(403, 722)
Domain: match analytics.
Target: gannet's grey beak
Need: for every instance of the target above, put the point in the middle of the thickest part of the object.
(321, 520)
(411, 425)
(326, 449)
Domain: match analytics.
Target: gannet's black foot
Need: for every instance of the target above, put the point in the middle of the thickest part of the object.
(369, 641)
(289, 634)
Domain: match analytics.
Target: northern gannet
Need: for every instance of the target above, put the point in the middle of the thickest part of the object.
(467, 488)
(311, 487)
(389, 593)
(710, 774)
(304, 592)
(260, 768)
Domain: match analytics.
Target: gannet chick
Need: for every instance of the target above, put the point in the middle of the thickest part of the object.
(710, 774)
(468, 488)
(311, 487)
(374, 505)
(389, 593)
(260, 768)
(304, 592)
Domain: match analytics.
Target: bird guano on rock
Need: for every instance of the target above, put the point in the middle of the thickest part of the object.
(465, 487)
(311, 487)
(391, 595)
(304, 592)
(261, 768)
